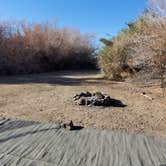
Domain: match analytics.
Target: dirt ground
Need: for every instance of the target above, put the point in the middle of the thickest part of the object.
(48, 97)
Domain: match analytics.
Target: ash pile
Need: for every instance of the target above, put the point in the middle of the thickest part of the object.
(96, 99)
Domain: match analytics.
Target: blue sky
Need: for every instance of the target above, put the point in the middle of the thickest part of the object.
(97, 16)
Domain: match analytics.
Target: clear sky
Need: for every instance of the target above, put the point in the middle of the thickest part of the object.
(97, 16)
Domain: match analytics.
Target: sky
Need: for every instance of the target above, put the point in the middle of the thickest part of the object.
(100, 17)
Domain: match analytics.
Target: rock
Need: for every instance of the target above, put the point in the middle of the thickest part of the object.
(99, 95)
(98, 102)
(87, 101)
(81, 101)
(107, 101)
(144, 93)
(88, 94)
(84, 101)
(82, 94)
(96, 99)
(76, 97)
(68, 125)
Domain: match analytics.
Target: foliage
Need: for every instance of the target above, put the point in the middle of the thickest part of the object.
(32, 48)
(141, 46)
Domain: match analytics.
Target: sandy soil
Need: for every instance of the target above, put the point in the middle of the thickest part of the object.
(48, 97)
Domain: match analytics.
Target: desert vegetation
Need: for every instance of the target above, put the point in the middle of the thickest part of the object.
(34, 48)
(141, 47)
(85, 97)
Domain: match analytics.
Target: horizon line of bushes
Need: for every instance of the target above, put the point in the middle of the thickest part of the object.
(37, 48)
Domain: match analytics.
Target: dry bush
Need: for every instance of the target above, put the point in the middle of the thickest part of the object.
(43, 47)
(158, 6)
(140, 47)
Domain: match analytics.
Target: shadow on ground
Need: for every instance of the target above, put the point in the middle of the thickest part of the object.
(61, 78)
(8, 125)
(116, 103)
(75, 128)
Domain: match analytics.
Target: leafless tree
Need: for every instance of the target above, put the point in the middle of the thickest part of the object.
(158, 5)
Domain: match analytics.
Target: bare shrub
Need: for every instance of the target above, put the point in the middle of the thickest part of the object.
(140, 47)
(29, 48)
(158, 6)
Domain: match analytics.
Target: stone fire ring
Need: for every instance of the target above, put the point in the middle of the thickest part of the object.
(96, 99)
